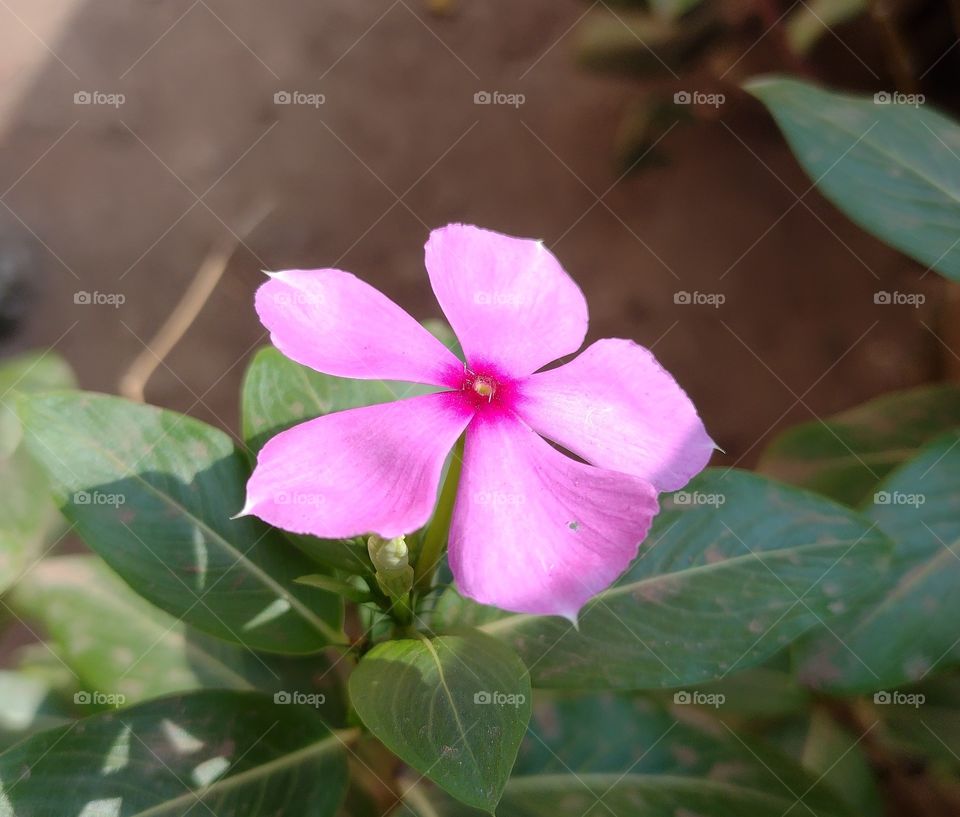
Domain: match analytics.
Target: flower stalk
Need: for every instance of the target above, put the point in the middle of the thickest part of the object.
(435, 539)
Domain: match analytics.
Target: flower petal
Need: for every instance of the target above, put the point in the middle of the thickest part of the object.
(337, 324)
(616, 406)
(535, 531)
(508, 300)
(366, 470)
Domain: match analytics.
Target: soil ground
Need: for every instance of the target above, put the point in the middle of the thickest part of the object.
(128, 200)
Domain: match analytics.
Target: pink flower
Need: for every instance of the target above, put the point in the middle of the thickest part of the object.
(533, 530)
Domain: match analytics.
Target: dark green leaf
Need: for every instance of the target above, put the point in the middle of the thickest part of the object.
(912, 629)
(152, 492)
(891, 166)
(735, 568)
(846, 455)
(454, 707)
(608, 734)
(231, 754)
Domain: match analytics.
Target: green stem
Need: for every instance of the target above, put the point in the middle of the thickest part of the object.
(437, 534)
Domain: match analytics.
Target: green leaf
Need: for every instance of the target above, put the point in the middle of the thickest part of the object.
(637, 758)
(926, 725)
(609, 734)
(834, 756)
(638, 43)
(735, 568)
(892, 168)
(757, 692)
(118, 643)
(613, 755)
(673, 9)
(846, 455)
(807, 25)
(24, 374)
(454, 707)
(29, 705)
(349, 591)
(278, 393)
(28, 519)
(615, 794)
(912, 628)
(152, 492)
(231, 754)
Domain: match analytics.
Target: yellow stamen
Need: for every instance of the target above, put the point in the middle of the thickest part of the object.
(484, 388)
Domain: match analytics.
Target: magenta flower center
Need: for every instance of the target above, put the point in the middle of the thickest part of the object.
(484, 390)
(485, 386)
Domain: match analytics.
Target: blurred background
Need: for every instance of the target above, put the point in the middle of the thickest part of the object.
(137, 137)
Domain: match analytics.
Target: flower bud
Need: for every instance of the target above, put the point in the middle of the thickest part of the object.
(391, 559)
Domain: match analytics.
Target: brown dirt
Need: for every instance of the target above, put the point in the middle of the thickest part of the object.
(114, 201)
